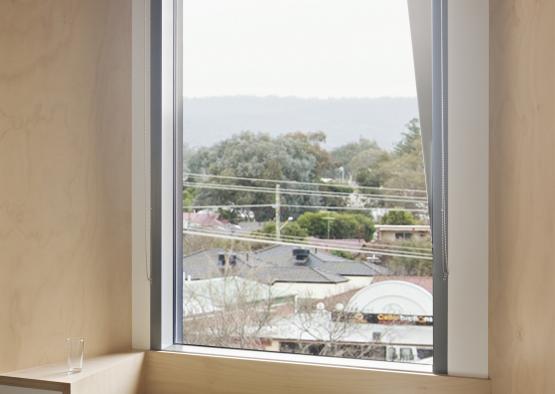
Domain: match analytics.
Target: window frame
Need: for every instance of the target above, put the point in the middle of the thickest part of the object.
(437, 200)
(166, 219)
(165, 283)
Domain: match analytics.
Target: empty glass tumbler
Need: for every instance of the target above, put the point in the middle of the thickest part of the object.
(75, 352)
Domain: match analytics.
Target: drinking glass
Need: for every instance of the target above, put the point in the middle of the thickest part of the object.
(75, 351)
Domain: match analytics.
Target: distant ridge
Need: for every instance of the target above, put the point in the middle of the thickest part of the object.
(211, 119)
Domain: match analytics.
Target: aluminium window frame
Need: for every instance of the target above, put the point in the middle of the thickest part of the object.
(166, 125)
(166, 103)
(437, 201)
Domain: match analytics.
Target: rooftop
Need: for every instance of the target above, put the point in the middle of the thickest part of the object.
(402, 227)
(279, 264)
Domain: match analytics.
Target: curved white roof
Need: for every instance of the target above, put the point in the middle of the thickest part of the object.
(392, 296)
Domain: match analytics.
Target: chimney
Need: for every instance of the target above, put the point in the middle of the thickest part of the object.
(221, 259)
(301, 255)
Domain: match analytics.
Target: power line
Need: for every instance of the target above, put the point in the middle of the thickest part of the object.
(372, 245)
(295, 192)
(312, 245)
(321, 207)
(336, 208)
(259, 233)
(197, 175)
(336, 241)
(296, 243)
(318, 241)
(229, 206)
(392, 248)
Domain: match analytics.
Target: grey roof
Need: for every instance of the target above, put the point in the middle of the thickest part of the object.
(277, 264)
(321, 259)
(355, 268)
(204, 264)
(297, 274)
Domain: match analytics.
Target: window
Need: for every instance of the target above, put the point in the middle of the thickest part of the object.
(406, 354)
(403, 236)
(291, 157)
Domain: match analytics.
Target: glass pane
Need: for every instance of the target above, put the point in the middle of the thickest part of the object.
(305, 219)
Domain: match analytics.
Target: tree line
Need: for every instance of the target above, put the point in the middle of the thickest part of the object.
(301, 157)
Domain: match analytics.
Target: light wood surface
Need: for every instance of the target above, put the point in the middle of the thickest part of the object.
(522, 268)
(29, 386)
(65, 178)
(111, 374)
(168, 373)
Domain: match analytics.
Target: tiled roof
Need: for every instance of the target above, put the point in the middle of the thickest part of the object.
(297, 274)
(277, 264)
(204, 264)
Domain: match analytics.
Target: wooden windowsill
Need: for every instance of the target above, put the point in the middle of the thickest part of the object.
(169, 372)
(120, 371)
(256, 355)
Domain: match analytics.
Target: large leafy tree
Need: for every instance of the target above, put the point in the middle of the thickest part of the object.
(410, 266)
(359, 156)
(292, 230)
(405, 169)
(300, 157)
(398, 217)
(402, 168)
(292, 157)
(339, 225)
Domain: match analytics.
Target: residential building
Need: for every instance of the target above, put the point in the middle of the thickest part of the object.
(392, 233)
(308, 273)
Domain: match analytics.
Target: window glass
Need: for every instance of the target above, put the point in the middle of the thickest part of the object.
(305, 212)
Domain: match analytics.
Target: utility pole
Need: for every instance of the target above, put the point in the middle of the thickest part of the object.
(329, 219)
(278, 224)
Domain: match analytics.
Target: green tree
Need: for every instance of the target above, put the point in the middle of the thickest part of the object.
(291, 229)
(410, 266)
(342, 196)
(230, 215)
(340, 225)
(398, 217)
(372, 177)
(188, 198)
(405, 168)
(357, 156)
(293, 157)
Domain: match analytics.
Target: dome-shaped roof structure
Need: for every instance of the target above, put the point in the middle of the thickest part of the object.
(392, 296)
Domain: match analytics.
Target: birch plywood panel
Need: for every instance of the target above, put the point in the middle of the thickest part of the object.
(522, 262)
(65, 178)
(168, 373)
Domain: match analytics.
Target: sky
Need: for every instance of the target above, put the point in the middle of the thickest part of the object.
(303, 48)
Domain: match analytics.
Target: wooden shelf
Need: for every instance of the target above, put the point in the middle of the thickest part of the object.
(116, 373)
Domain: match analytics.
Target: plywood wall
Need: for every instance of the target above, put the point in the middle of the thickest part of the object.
(522, 269)
(174, 373)
(65, 178)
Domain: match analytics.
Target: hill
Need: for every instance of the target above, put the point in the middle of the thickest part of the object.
(212, 119)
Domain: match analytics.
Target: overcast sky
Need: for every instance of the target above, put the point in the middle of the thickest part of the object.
(305, 48)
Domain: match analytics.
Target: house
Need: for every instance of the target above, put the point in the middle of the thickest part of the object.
(375, 324)
(209, 296)
(203, 220)
(308, 273)
(392, 233)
